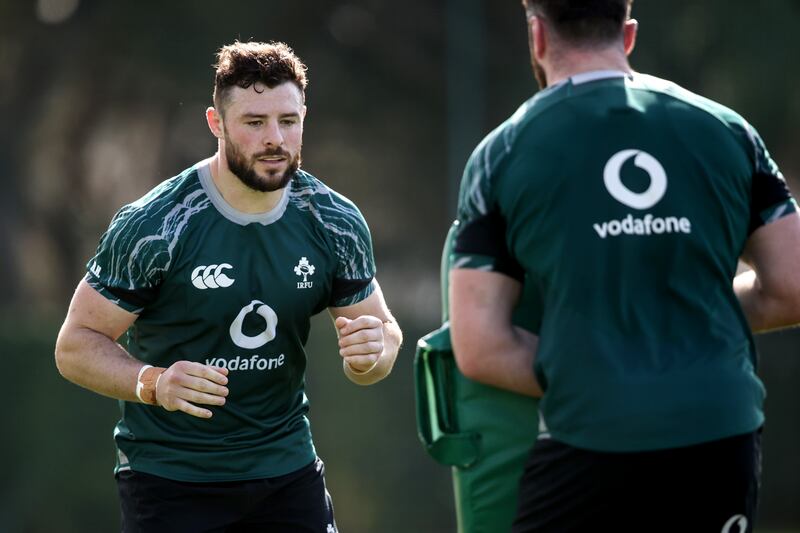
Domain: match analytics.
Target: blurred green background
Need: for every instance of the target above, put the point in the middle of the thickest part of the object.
(102, 100)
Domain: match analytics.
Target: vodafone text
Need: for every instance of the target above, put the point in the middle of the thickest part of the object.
(647, 225)
(254, 362)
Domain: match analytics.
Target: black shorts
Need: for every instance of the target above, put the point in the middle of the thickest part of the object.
(295, 502)
(708, 487)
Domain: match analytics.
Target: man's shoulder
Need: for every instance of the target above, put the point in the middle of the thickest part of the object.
(139, 245)
(688, 98)
(501, 141)
(162, 213)
(490, 154)
(308, 193)
(339, 220)
(182, 189)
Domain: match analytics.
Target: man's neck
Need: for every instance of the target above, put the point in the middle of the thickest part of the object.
(237, 194)
(577, 62)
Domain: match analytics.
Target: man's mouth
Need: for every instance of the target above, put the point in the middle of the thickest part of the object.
(271, 160)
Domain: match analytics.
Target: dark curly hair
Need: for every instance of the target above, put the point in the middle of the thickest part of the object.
(583, 22)
(245, 64)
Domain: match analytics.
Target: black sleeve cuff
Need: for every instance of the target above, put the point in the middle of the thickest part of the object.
(486, 236)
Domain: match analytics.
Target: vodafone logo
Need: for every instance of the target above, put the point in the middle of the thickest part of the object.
(211, 276)
(646, 162)
(638, 225)
(249, 342)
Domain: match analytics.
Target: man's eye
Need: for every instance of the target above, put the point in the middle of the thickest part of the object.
(254, 123)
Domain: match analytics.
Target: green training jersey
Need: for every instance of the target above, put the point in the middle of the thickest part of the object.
(628, 201)
(213, 285)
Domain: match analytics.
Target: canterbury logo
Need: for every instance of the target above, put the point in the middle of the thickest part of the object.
(211, 276)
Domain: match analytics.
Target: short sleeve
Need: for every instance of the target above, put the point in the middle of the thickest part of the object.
(130, 261)
(355, 264)
(770, 198)
(480, 241)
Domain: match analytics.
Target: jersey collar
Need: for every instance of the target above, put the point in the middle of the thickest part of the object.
(595, 75)
(231, 213)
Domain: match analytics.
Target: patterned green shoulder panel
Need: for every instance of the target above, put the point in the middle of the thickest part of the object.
(475, 196)
(137, 249)
(348, 231)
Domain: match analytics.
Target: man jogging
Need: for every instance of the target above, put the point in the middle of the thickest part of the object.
(214, 275)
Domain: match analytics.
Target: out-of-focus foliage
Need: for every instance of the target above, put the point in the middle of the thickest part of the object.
(102, 100)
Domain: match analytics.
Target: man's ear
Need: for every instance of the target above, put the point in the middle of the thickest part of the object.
(629, 35)
(539, 36)
(215, 124)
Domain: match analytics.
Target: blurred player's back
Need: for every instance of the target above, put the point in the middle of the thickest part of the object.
(628, 202)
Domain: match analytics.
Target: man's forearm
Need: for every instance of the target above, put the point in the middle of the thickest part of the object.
(502, 360)
(487, 346)
(93, 361)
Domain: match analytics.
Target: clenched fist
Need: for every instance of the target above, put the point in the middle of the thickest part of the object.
(360, 341)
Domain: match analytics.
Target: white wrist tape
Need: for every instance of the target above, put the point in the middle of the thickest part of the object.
(139, 384)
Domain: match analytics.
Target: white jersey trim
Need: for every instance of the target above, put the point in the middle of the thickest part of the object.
(594, 75)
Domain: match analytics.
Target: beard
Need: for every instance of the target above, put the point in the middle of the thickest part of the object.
(244, 168)
(539, 73)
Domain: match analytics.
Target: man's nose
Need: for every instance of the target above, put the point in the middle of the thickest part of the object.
(272, 134)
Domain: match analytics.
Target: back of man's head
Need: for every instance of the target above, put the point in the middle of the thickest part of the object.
(582, 22)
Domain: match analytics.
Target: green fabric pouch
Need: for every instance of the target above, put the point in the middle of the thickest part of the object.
(436, 378)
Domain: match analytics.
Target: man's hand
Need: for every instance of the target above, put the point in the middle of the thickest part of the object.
(185, 384)
(369, 338)
(360, 341)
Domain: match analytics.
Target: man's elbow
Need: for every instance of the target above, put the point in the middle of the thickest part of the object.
(469, 364)
(64, 354)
